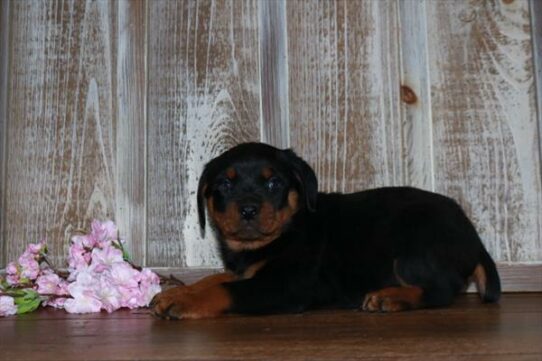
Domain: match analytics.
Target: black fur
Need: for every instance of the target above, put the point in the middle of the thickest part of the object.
(338, 247)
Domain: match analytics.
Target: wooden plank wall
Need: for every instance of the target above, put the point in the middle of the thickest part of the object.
(110, 109)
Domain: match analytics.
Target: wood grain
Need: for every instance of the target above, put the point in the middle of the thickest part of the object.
(484, 120)
(536, 23)
(344, 91)
(416, 121)
(274, 73)
(131, 116)
(61, 134)
(467, 331)
(204, 97)
(4, 42)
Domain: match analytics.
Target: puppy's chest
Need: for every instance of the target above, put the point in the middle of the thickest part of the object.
(245, 264)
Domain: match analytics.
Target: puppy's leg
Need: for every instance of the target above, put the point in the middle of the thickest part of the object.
(205, 298)
(393, 299)
(247, 296)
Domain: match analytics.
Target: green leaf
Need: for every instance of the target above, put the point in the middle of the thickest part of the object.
(125, 254)
(27, 300)
(28, 306)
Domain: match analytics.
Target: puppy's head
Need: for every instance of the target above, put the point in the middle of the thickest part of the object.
(252, 191)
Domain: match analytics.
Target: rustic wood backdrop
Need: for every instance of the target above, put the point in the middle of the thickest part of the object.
(109, 109)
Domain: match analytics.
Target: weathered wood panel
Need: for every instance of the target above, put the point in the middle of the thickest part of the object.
(131, 86)
(416, 122)
(484, 120)
(60, 138)
(204, 97)
(61, 133)
(536, 23)
(274, 73)
(344, 91)
(4, 41)
(76, 67)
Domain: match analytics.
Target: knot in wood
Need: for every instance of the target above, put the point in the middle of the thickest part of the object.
(408, 95)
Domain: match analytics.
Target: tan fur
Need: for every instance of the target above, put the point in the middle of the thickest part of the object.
(480, 279)
(253, 269)
(267, 172)
(393, 299)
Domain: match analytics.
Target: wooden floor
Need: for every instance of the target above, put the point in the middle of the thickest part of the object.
(467, 331)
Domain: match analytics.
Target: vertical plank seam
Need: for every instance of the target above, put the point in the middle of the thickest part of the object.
(429, 98)
(273, 62)
(260, 65)
(286, 82)
(130, 125)
(5, 41)
(145, 132)
(535, 8)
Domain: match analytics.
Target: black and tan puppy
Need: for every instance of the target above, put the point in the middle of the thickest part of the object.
(288, 248)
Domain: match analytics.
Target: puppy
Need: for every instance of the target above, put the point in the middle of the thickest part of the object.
(287, 248)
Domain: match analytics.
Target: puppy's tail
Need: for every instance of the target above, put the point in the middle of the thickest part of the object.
(486, 278)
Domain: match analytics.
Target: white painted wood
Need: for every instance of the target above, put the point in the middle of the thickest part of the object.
(536, 24)
(4, 90)
(131, 80)
(417, 127)
(60, 163)
(274, 73)
(486, 136)
(344, 91)
(204, 97)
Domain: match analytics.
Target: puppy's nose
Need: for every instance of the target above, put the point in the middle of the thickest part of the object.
(249, 211)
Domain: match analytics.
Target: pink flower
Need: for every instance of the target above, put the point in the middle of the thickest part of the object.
(55, 302)
(99, 277)
(104, 232)
(149, 287)
(30, 268)
(130, 297)
(85, 241)
(104, 258)
(62, 288)
(48, 283)
(13, 279)
(35, 248)
(108, 295)
(84, 303)
(123, 275)
(11, 268)
(78, 259)
(7, 306)
(83, 292)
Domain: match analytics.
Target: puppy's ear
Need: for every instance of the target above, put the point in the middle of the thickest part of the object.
(202, 189)
(305, 177)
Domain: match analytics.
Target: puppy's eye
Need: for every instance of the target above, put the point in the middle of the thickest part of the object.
(273, 184)
(225, 184)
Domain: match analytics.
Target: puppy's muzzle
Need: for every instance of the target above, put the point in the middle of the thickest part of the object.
(248, 211)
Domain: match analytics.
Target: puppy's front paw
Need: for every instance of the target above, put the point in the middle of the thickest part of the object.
(393, 299)
(186, 303)
(169, 304)
(374, 302)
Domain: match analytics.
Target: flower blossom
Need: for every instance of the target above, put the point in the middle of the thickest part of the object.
(7, 306)
(99, 276)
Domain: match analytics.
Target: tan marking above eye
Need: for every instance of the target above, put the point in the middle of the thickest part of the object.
(267, 172)
(231, 173)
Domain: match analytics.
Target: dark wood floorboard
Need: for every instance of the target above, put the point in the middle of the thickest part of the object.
(467, 331)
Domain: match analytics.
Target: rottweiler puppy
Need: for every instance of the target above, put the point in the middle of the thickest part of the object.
(288, 248)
